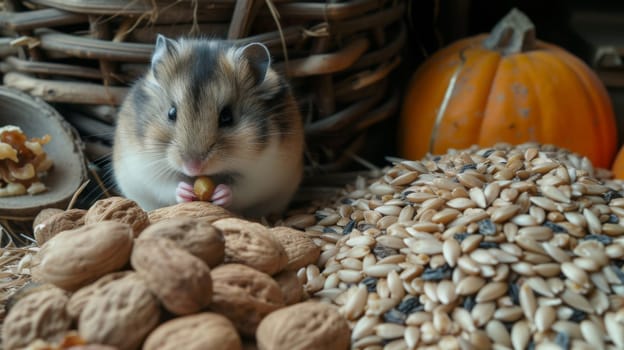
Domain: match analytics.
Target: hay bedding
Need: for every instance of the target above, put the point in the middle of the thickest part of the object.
(14, 271)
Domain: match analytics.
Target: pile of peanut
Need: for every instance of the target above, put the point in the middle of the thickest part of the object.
(187, 276)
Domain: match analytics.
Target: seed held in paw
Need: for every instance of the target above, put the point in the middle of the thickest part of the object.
(204, 188)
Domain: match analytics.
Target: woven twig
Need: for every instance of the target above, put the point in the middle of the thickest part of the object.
(338, 55)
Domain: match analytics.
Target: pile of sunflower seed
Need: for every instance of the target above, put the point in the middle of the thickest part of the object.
(505, 248)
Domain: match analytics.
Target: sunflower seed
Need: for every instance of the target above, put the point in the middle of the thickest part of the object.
(593, 334)
(501, 214)
(528, 302)
(405, 179)
(574, 273)
(363, 327)
(540, 286)
(482, 313)
(545, 316)
(614, 329)
(576, 300)
(536, 233)
(498, 333)
(412, 337)
(520, 335)
(544, 202)
(389, 330)
(491, 291)
(380, 270)
(446, 292)
(593, 223)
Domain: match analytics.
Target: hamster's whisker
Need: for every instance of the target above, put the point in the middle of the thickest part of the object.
(106, 135)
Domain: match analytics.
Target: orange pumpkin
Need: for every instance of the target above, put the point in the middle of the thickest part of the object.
(618, 165)
(507, 87)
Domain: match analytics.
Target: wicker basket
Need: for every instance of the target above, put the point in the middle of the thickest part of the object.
(338, 54)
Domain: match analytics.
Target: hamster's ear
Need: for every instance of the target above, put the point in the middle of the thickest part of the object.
(259, 58)
(164, 47)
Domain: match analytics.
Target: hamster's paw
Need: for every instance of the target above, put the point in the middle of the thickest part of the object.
(222, 195)
(184, 192)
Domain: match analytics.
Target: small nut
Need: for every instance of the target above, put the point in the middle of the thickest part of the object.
(196, 236)
(244, 295)
(203, 187)
(291, 286)
(180, 280)
(59, 222)
(251, 244)
(300, 249)
(196, 209)
(29, 288)
(118, 209)
(39, 315)
(79, 299)
(122, 315)
(310, 325)
(205, 330)
(75, 258)
(44, 214)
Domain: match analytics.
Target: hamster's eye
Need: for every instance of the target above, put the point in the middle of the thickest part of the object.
(226, 118)
(172, 114)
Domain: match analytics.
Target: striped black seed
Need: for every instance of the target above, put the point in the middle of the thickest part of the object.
(469, 303)
(611, 194)
(488, 245)
(554, 227)
(487, 227)
(348, 227)
(346, 201)
(514, 293)
(613, 219)
(384, 252)
(606, 240)
(577, 316)
(618, 272)
(405, 194)
(328, 230)
(459, 237)
(410, 305)
(437, 274)
(362, 226)
(563, 340)
(465, 167)
(319, 217)
(531, 345)
(370, 283)
(395, 316)
(488, 152)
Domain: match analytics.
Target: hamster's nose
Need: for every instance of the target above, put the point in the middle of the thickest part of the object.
(192, 167)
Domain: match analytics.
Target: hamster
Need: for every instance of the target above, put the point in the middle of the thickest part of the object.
(209, 107)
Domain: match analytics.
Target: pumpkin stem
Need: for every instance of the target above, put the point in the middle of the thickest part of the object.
(513, 34)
